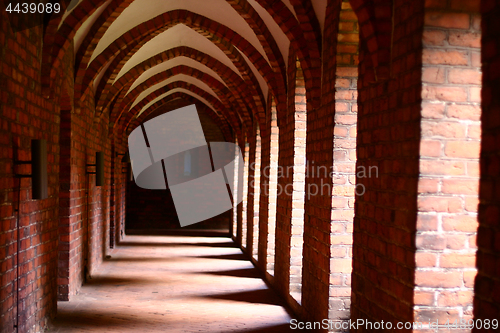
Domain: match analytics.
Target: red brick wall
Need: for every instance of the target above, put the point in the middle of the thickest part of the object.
(25, 115)
(413, 226)
(84, 208)
(487, 284)
(54, 231)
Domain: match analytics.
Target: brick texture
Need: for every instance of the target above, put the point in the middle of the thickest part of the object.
(447, 201)
(371, 168)
(487, 283)
(388, 139)
(65, 237)
(268, 190)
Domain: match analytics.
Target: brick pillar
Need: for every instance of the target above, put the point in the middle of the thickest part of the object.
(487, 284)
(268, 192)
(388, 143)
(291, 181)
(250, 196)
(234, 225)
(256, 194)
(449, 163)
(298, 196)
(344, 164)
(63, 271)
(330, 182)
(244, 206)
(115, 169)
(239, 208)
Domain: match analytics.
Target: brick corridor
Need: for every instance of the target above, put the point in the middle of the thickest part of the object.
(174, 284)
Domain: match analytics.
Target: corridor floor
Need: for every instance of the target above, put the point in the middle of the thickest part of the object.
(174, 284)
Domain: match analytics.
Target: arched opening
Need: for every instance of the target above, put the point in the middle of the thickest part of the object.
(256, 193)
(273, 189)
(298, 195)
(244, 211)
(237, 189)
(343, 170)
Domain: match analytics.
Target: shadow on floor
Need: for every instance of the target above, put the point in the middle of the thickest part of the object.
(179, 232)
(93, 319)
(258, 296)
(237, 256)
(144, 259)
(244, 272)
(169, 244)
(109, 281)
(150, 286)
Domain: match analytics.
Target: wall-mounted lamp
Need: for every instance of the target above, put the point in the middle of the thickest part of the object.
(125, 158)
(99, 168)
(128, 169)
(39, 179)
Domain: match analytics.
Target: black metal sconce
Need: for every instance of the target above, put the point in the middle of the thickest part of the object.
(99, 168)
(125, 158)
(39, 179)
(128, 169)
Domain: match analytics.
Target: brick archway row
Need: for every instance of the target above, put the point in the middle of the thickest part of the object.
(132, 122)
(223, 93)
(112, 11)
(308, 22)
(376, 25)
(231, 117)
(260, 28)
(247, 12)
(124, 47)
(232, 80)
(243, 45)
(308, 51)
(256, 95)
(59, 34)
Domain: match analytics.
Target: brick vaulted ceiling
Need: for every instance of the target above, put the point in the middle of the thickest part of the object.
(230, 55)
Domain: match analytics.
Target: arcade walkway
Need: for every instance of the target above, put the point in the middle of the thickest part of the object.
(174, 284)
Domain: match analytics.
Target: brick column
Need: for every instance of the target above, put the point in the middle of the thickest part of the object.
(298, 196)
(256, 194)
(268, 191)
(234, 225)
(244, 203)
(239, 207)
(250, 196)
(388, 140)
(330, 182)
(63, 271)
(290, 190)
(344, 164)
